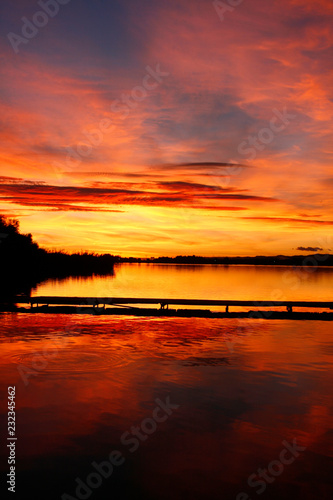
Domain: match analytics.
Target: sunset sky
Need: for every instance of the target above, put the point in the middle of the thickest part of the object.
(158, 127)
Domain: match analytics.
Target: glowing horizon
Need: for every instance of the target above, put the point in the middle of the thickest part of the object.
(166, 129)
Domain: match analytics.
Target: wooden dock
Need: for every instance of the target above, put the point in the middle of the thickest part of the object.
(133, 303)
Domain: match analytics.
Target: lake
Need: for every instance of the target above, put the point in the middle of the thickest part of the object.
(172, 408)
(199, 282)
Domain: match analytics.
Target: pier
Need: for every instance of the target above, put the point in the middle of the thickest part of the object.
(137, 306)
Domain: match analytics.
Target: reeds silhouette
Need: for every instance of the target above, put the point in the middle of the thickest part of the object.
(23, 263)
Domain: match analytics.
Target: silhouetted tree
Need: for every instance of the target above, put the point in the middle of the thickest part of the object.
(23, 263)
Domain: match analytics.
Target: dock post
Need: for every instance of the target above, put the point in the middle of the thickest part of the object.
(290, 309)
(226, 309)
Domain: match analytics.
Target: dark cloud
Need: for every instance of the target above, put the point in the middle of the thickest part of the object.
(231, 209)
(181, 186)
(309, 249)
(18, 181)
(301, 23)
(109, 174)
(290, 219)
(163, 194)
(198, 165)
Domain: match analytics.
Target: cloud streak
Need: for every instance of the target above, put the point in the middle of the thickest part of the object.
(173, 194)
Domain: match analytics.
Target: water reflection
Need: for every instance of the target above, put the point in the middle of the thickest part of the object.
(200, 282)
(102, 375)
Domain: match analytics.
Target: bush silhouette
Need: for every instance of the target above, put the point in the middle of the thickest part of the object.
(23, 263)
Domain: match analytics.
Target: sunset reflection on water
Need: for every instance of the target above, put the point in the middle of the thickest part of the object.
(83, 381)
(199, 282)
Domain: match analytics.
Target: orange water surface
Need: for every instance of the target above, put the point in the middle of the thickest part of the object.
(82, 382)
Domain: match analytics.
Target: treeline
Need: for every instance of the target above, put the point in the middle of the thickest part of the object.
(23, 263)
(279, 260)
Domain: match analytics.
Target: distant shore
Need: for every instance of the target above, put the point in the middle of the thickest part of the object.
(313, 260)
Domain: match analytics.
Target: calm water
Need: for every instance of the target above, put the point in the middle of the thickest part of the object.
(200, 282)
(244, 388)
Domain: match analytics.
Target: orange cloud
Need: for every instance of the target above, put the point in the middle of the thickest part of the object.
(75, 109)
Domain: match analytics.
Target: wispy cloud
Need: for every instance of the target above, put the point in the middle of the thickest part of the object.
(173, 161)
(311, 222)
(182, 194)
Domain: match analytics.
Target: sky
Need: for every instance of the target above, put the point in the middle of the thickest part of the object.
(157, 128)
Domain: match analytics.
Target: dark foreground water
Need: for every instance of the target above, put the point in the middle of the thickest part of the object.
(196, 408)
